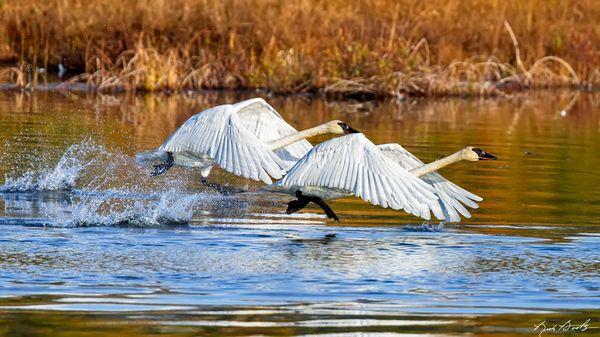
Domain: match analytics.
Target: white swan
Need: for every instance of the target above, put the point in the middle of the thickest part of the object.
(249, 139)
(353, 165)
(451, 196)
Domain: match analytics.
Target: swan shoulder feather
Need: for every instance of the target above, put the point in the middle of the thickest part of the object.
(353, 163)
(451, 196)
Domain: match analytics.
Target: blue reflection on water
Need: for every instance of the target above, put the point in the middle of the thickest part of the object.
(246, 264)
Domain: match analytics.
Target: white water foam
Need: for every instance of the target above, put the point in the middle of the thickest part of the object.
(103, 188)
(425, 227)
(170, 208)
(64, 174)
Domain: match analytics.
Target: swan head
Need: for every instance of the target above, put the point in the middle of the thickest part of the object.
(340, 128)
(475, 154)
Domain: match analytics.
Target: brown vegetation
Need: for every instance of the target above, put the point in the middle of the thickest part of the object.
(380, 47)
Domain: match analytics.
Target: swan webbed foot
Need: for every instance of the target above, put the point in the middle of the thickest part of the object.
(165, 166)
(298, 204)
(159, 169)
(304, 200)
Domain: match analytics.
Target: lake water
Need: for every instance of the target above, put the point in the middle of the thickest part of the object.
(90, 244)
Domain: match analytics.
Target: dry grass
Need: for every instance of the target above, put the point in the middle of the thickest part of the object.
(378, 47)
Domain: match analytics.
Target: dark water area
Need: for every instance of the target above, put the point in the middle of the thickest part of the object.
(91, 245)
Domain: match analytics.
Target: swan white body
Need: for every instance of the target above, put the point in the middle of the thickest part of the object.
(236, 137)
(353, 165)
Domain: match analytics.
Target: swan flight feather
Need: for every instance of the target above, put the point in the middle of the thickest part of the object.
(258, 117)
(451, 197)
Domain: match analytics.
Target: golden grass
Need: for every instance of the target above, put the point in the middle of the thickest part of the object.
(379, 47)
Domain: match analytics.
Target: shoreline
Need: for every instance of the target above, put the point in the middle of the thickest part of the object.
(79, 87)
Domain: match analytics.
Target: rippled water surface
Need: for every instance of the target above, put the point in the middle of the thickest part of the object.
(91, 244)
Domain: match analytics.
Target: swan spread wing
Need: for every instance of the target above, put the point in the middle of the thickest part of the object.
(258, 117)
(450, 195)
(355, 164)
(219, 133)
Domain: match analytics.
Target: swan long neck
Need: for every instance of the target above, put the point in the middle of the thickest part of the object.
(438, 164)
(294, 137)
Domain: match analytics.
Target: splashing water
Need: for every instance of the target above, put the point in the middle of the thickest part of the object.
(64, 174)
(103, 188)
(425, 227)
(111, 191)
(170, 208)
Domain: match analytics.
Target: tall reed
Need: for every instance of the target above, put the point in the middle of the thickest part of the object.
(372, 47)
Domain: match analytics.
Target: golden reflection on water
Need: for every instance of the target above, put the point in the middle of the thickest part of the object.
(547, 143)
(266, 321)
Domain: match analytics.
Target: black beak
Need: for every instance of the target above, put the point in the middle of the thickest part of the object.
(484, 155)
(351, 130)
(347, 129)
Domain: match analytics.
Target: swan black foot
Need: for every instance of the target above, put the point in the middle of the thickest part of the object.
(304, 200)
(165, 166)
(226, 190)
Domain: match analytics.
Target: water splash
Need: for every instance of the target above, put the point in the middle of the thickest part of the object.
(170, 208)
(64, 174)
(425, 227)
(98, 187)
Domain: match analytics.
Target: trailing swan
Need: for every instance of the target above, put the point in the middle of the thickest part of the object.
(353, 166)
(249, 139)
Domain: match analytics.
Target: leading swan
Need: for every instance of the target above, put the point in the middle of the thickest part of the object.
(353, 165)
(249, 139)
(384, 175)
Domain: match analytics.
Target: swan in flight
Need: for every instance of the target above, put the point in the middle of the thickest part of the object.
(249, 139)
(384, 175)
(451, 196)
(353, 165)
